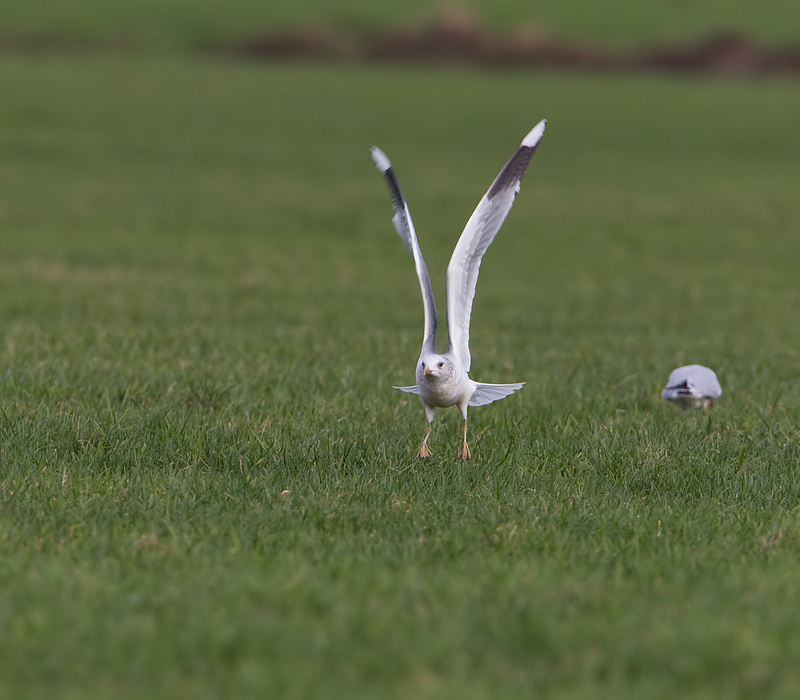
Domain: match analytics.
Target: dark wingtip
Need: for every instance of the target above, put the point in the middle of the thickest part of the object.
(515, 168)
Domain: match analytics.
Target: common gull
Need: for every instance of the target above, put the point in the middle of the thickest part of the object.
(443, 379)
(692, 386)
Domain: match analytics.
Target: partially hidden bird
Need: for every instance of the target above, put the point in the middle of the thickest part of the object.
(443, 379)
(692, 386)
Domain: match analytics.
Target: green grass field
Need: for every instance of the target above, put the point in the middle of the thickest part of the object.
(208, 486)
(181, 24)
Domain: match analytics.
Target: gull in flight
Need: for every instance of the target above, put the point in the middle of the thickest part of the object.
(442, 379)
(693, 386)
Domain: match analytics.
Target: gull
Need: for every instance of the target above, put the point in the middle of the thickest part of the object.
(693, 386)
(443, 379)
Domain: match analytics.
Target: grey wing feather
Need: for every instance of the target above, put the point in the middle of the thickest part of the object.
(408, 389)
(487, 393)
(480, 231)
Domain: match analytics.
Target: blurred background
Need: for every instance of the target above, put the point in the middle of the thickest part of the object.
(191, 25)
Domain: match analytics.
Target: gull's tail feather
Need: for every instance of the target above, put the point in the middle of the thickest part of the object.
(408, 389)
(486, 393)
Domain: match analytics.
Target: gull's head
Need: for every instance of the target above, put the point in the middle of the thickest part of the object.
(435, 367)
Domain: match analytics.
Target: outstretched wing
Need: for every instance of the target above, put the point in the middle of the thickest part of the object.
(482, 227)
(486, 393)
(408, 389)
(405, 229)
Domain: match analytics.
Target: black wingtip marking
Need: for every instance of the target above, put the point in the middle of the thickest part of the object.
(398, 200)
(682, 388)
(512, 171)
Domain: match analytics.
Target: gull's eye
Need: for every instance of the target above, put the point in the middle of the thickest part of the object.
(441, 364)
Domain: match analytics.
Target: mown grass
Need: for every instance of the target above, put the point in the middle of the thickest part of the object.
(176, 24)
(208, 485)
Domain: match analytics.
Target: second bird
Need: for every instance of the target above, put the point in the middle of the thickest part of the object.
(443, 380)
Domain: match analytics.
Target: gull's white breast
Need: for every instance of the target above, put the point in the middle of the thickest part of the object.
(445, 392)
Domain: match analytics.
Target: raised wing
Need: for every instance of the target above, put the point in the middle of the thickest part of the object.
(482, 227)
(405, 229)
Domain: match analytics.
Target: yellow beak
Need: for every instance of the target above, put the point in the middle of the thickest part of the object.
(427, 371)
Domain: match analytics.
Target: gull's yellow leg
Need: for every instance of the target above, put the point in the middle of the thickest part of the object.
(464, 454)
(424, 450)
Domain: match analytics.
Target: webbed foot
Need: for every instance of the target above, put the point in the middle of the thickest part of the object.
(464, 454)
(424, 450)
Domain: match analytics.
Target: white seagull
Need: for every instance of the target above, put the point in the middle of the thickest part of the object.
(442, 380)
(693, 386)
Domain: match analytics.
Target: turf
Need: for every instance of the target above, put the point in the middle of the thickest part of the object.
(179, 24)
(208, 486)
